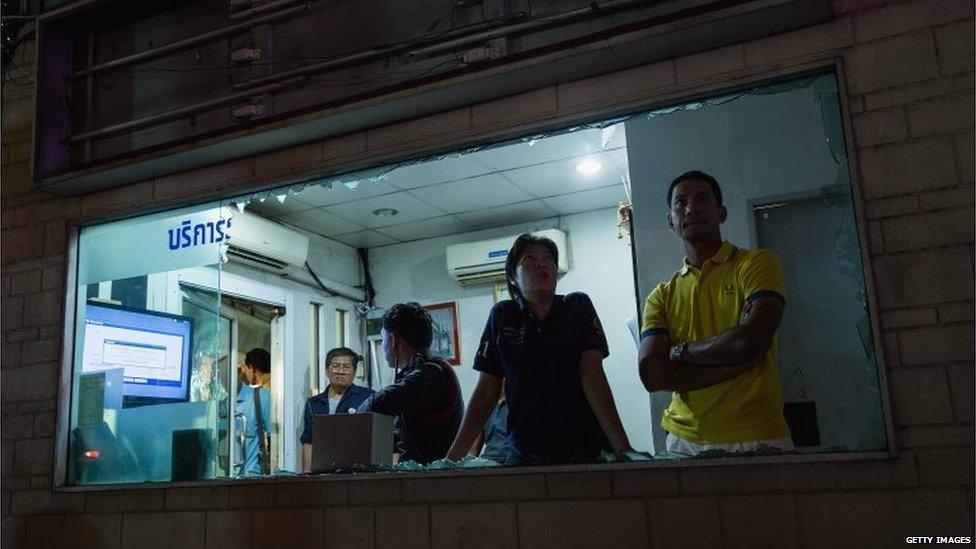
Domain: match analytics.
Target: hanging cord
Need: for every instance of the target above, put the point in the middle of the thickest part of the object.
(367, 278)
(317, 281)
(363, 309)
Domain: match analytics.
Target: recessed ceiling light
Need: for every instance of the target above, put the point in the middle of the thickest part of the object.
(588, 166)
(385, 212)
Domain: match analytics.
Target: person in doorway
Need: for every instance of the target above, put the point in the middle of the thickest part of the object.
(425, 396)
(340, 397)
(548, 351)
(254, 404)
(708, 333)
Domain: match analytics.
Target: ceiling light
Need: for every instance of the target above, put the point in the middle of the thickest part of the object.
(385, 212)
(588, 166)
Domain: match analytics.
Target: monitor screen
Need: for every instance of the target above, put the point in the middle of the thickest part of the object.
(152, 349)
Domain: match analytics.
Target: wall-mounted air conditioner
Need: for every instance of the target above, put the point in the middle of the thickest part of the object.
(484, 261)
(262, 243)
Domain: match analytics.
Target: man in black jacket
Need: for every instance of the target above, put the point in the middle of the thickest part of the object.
(425, 396)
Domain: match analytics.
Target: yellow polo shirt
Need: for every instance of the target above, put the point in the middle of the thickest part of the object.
(696, 304)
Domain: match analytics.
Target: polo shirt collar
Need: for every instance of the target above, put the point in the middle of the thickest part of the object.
(723, 255)
(526, 311)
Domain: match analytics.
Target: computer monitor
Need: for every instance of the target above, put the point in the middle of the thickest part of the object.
(153, 350)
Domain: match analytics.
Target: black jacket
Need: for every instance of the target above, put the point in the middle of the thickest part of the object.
(425, 398)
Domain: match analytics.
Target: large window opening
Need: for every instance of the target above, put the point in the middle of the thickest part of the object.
(169, 305)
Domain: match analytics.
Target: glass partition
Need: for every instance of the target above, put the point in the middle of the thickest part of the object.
(150, 370)
(172, 305)
(778, 153)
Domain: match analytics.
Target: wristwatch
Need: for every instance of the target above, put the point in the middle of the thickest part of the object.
(677, 351)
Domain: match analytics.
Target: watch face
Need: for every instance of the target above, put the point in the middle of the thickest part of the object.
(676, 352)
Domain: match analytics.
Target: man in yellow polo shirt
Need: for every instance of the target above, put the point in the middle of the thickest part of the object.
(708, 333)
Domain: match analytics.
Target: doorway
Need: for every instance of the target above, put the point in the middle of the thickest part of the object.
(826, 353)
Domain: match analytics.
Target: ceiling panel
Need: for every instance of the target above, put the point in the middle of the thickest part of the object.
(427, 228)
(508, 215)
(321, 222)
(317, 195)
(542, 150)
(476, 193)
(361, 211)
(465, 192)
(365, 239)
(438, 171)
(584, 201)
(272, 207)
(560, 177)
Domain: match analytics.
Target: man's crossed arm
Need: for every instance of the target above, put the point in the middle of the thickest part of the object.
(713, 360)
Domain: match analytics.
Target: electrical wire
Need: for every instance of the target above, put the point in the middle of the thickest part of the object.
(367, 277)
(317, 281)
(10, 50)
(430, 70)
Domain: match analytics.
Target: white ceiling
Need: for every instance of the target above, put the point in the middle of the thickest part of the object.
(525, 181)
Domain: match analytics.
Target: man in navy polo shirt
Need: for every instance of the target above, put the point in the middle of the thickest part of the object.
(340, 397)
(548, 350)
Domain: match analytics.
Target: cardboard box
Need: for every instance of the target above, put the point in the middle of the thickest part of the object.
(345, 440)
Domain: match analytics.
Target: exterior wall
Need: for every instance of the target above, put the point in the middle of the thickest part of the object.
(908, 70)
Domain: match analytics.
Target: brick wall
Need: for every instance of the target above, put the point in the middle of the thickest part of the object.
(908, 69)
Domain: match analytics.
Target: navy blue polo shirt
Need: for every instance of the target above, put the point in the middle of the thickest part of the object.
(549, 418)
(318, 405)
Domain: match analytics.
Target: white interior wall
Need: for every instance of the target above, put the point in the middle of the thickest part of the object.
(760, 147)
(600, 266)
(757, 147)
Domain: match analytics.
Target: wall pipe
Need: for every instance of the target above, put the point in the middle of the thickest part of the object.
(188, 43)
(452, 40)
(594, 9)
(261, 8)
(376, 53)
(188, 110)
(443, 41)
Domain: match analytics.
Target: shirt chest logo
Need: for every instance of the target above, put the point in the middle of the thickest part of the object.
(513, 336)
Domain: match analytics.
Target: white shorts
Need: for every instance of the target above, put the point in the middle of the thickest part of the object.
(682, 447)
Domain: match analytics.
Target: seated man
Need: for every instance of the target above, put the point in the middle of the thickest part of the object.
(254, 404)
(708, 333)
(340, 397)
(425, 396)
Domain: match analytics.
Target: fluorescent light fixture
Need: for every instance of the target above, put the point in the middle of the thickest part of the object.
(588, 166)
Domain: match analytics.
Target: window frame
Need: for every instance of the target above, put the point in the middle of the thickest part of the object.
(515, 131)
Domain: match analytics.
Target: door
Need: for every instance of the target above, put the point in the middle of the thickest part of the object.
(825, 322)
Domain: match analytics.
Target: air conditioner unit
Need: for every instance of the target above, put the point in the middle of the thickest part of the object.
(484, 261)
(262, 243)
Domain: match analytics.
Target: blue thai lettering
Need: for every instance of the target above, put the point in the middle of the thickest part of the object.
(199, 234)
(185, 228)
(174, 239)
(189, 234)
